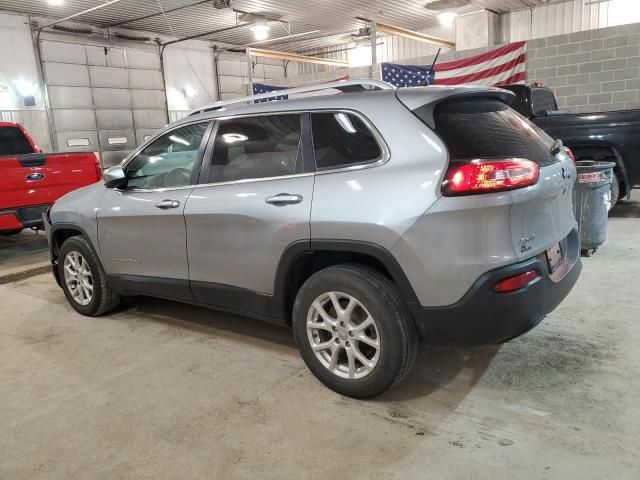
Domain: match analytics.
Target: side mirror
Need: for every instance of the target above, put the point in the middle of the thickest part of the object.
(114, 177)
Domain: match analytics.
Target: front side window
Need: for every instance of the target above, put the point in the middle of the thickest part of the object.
(168, 161)
(255, 147)
(341, 140)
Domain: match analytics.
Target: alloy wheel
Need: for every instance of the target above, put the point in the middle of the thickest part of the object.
(78, 277)
(343, 335)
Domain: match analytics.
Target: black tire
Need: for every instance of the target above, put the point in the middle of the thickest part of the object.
(398, 338)
(103, 299)
(615, 189)
(11, 232)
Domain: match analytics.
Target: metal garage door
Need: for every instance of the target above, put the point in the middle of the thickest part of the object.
(103, 98)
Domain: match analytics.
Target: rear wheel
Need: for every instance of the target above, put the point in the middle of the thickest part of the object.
(615, 189)
(353, 330)
(83, 279)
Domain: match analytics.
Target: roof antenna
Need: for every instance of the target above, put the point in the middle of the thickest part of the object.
(431, 72)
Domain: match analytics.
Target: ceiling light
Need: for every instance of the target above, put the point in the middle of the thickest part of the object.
(55, 2)
(447, 18)
(260, 31)
(26, 89)
(234, 138)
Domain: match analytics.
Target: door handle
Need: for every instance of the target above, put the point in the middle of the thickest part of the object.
(166, 204)
(282, 199)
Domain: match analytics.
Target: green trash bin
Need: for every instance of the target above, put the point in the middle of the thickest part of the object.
(591, 202)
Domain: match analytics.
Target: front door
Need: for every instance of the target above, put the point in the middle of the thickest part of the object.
(254, 202)
(141, 228)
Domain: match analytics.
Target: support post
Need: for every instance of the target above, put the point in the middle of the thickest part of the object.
(35, 35)
(249, 73)
(374, 41)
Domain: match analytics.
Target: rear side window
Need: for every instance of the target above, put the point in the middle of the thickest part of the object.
(543, 101)
(486, 128)
(341, 140)
(13, 142)
(256, 147)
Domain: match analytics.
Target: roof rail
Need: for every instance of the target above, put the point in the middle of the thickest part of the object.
(343, 85)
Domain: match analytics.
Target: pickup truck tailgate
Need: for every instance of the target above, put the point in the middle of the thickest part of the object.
(40, 179)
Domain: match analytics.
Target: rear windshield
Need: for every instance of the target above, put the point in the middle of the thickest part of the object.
(487, 128)
(13, 142)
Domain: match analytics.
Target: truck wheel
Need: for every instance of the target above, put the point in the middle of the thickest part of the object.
(83, 279)
(615, 189)
(354, 331)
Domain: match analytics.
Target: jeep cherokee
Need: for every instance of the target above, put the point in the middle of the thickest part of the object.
(364, 220)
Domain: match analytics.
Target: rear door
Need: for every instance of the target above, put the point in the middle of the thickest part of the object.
(254, 201)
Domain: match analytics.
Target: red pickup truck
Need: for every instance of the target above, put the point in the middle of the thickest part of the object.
(30, 181)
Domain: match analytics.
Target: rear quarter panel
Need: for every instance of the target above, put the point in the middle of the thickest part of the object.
(378, 203)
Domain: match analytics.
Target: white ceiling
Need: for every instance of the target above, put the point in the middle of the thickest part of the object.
(334, 19)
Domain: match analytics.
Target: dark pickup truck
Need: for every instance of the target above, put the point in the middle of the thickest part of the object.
(612, 136)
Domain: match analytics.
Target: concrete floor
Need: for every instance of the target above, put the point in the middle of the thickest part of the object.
(23, 253)
(160, 390)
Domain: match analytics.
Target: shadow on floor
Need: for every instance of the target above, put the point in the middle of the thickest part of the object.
(434, 369)
(626, 209)
(23, 250)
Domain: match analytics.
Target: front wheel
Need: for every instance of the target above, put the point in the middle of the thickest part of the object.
(83, 279)
(354, 331)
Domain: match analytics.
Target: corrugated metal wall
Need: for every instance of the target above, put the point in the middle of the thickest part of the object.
(555, 19)
(526, 24)
(103, 98)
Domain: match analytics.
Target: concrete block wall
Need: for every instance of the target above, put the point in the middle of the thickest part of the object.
(590, 71)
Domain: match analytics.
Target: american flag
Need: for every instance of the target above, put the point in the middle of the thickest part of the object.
(407, 75)
(264, 88)
(498, 67)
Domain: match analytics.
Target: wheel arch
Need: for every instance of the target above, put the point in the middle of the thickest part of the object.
(302, 259)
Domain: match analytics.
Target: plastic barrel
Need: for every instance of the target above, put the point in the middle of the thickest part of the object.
(591, 202)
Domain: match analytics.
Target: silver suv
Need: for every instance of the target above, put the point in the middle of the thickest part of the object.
(365, 220)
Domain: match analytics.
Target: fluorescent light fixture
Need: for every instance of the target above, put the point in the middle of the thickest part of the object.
(56, 3)
(234, 138)
(260, 31)
(176, 139)
(447, 18)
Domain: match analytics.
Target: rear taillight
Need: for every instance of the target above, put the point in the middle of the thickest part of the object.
(485, 176)
(568, 151)
(98, 171)
(511, 284)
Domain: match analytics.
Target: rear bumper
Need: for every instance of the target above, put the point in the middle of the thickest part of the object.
(22, 217)
(484, 317)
